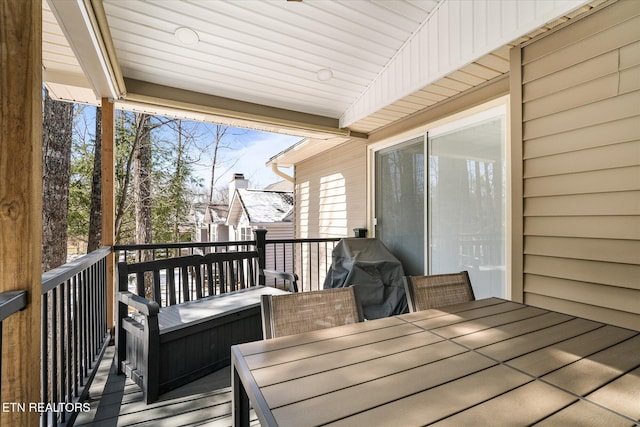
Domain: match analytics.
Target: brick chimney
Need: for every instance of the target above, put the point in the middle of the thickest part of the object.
(237, 181)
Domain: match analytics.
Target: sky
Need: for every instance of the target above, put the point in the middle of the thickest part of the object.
(247, 153)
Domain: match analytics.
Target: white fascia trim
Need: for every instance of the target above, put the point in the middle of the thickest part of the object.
(455, 34)
(78, 26)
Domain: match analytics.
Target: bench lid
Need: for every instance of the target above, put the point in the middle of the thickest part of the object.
(193, 312)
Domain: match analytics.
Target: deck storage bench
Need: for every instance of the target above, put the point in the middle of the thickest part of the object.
(161, 349)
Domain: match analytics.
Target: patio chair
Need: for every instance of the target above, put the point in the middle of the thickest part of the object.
(296, 313)
(438, 290)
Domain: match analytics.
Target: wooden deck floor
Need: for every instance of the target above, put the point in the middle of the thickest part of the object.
(117, 401)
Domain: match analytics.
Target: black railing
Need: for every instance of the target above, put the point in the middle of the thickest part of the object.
(310, 259)
(74, 310)
(74, 334)
(10, 302)
(152, 251)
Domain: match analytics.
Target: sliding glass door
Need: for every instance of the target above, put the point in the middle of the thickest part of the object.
(440, 208)
(466, 201)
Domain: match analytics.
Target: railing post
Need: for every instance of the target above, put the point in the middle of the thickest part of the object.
(360, 232)
(261, 245)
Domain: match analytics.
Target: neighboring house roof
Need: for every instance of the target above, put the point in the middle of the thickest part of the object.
(261, 206)
(217, 214)
(204, 213)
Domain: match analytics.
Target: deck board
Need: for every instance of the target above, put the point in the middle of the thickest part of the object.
(117, 401)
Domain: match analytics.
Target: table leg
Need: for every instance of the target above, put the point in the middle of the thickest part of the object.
(240, 400)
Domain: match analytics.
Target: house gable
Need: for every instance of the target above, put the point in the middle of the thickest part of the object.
(260, 206)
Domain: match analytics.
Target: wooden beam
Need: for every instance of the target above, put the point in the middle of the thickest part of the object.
(108, 200)
(21, 202)
(165, 100)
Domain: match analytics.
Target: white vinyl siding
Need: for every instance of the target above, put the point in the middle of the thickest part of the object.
(277, 230)
(278, 257)
(581, 167)
(330, 201)
(331, 192)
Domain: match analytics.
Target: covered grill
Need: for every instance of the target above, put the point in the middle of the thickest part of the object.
(374, 271)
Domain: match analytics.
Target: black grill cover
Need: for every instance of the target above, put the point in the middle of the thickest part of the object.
(374, 271)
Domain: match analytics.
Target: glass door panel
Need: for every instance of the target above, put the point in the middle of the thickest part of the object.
(466, 202)
(399, 202)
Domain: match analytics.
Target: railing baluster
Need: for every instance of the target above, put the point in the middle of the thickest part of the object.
(310, 266)
(76, 342)
(73, 332)
(94, 320)
(318, 264)
(44, 340)
(82, 308)
(67, 334)
(87, 325)
(54, 345)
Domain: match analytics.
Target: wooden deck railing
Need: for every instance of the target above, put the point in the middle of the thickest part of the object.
(74, 333)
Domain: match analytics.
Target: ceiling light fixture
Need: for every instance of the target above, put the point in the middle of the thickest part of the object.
(186, 36)
(324, 74)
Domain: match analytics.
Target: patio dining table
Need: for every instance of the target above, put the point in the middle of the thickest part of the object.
(486, 362)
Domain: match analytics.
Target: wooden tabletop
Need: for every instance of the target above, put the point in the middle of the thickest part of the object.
(488, 362)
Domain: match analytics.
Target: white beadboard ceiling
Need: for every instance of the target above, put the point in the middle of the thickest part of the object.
(256, 61)
(265, 52)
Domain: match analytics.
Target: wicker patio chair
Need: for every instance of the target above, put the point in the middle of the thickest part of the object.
(296, 313)
(438, 290)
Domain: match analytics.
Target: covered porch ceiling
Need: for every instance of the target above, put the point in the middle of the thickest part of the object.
(324, 70)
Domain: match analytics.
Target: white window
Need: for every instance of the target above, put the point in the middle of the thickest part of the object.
(246, 233)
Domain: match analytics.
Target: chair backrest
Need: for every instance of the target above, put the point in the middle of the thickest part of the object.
(309, 311)
(438, 290)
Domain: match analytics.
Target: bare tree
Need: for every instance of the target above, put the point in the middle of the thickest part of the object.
(142, 179)
(178, 181)
(56, 161)
(131, 129)
(95, 216)
(125, 144)
(220, 132)
(142, 189)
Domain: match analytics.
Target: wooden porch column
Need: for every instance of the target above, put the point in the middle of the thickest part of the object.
(108, 202)
(21, 202)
